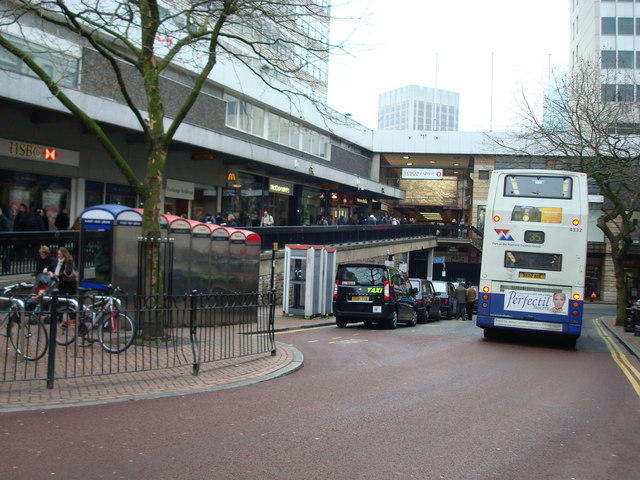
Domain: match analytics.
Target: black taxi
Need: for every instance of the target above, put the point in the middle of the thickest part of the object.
(373, 293)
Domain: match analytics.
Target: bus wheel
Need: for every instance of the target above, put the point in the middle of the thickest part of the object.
(489, 333)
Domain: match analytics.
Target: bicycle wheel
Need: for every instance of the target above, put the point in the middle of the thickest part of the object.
(6, 318)
(28, 336)
(115, 334)
(12, 315)
(66, 331)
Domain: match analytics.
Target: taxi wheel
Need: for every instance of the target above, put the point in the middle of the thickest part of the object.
(393, 321)
(414, 319)
(341, 323)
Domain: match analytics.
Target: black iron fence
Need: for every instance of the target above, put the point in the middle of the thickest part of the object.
(18, 250)
(167, 332)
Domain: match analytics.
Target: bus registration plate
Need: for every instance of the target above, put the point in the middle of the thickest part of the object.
(537, 276)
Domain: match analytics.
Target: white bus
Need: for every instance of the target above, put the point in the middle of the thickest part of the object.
(534, 253)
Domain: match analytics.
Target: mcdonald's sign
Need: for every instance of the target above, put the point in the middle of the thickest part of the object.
(232, 177)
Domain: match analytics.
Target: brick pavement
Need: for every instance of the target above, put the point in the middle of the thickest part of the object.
(33, 395)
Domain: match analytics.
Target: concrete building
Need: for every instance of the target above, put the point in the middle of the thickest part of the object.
(605, 33)
(419, 109)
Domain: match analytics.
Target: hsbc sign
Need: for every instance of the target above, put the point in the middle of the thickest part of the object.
(40, 153)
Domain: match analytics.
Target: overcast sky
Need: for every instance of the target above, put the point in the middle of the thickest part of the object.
(451, 45)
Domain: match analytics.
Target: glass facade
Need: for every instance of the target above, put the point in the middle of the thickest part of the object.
(35, 191)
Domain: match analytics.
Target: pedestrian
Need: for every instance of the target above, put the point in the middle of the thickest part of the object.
(461, 230)
(208, 218)
(323, 220)
(5, 224)
(219, 219)
(231, 221)
(460, 296)
(62, 219)
(341, 220)
(371, 220)
(43, 259)
(41, 219)
(266, 220)
(62, 268)
(472, 298)
(593, 296)
(25, 220)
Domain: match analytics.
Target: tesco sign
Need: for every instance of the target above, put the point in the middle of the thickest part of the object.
(422, 174)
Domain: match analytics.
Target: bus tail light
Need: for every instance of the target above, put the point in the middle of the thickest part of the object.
(576, 296)
(486, 289)
(387, 291)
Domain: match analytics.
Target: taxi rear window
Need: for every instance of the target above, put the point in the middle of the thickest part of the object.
(365, 276)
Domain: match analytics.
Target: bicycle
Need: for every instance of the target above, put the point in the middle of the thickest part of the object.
(116, 330)
(25, 330)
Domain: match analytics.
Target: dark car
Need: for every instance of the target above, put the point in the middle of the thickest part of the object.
(428, 303)
(444, 290)
(373, 293)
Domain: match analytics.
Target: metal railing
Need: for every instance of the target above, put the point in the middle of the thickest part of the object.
(172, 331)
(18, 250)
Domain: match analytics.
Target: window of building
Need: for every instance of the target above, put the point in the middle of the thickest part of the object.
(608, 59)
(625, 59)
(625, 93)
(61, 67)
(625, 26)
(608, 25)
(250, 118)
(608, 93)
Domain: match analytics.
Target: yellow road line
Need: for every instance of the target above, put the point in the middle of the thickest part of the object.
(303, 329)
(619, 357)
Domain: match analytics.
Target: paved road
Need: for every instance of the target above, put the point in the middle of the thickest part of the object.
(430, 402)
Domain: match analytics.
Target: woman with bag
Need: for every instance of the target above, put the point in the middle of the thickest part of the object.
(62, 269)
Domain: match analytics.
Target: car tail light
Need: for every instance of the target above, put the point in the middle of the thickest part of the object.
(420, 303)
(387, 291)
(335, 291)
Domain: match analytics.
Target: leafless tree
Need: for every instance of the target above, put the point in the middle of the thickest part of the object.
(591, 125)
(142, 40)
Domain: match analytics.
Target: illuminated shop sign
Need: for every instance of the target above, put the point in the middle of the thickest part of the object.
(422, 174)
(278, 186)
(39, 153)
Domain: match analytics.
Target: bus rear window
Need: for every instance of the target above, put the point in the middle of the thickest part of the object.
(534, 186)
(533, 261)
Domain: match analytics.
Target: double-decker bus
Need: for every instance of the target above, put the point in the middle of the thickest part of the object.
(534, 253)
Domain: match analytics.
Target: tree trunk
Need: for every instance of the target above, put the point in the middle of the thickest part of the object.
(153, 271)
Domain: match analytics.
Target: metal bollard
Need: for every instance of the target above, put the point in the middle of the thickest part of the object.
(630, 320)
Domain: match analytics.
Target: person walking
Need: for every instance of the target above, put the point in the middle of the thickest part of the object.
(62, 219)
(266, 220)
(41, 219)
(5, 223)
(472, 297)
(24, 221)
(460, 296)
